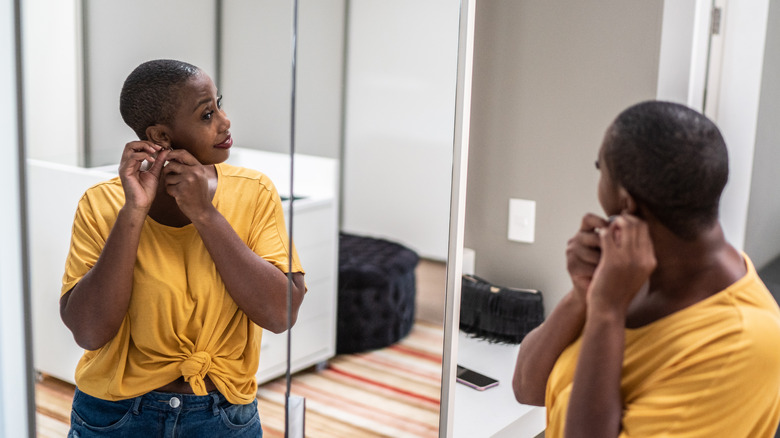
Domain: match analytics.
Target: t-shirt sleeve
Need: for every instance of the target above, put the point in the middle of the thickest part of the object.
(86, 243)
(268, 235)
(728, 386)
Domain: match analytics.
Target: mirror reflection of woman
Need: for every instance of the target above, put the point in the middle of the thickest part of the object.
(174, 267)
(667, 331)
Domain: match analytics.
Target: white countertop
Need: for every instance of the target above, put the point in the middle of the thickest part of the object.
(493, 412)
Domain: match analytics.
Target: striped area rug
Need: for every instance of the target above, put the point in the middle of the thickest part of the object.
(390, 392)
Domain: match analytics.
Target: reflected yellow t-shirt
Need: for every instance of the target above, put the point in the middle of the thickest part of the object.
(181, 320)
(709, 370)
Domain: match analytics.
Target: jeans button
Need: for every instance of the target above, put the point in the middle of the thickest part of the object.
(174, 402)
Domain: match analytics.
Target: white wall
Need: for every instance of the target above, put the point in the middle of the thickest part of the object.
(400, 109)
(256, 70)
(13, 372)
(674, 66)
(52, 80)
(737, 110)
(682, 67)
(763, 218)
(257, 74)
(258, 114)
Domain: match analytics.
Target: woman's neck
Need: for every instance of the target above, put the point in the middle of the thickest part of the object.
(166, 211)
(687, 272)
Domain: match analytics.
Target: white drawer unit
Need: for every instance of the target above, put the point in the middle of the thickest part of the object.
(314, 333)
(54, 191)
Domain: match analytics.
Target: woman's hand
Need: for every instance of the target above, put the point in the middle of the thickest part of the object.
(140, 185)
(583, 253)
(187, 181)
(627, 261)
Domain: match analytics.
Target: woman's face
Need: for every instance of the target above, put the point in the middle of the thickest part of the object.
(200, 126)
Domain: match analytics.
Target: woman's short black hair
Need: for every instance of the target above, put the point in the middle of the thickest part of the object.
(150, 93)
(672, 160)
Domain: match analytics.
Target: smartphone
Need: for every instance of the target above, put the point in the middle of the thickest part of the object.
(475, 380)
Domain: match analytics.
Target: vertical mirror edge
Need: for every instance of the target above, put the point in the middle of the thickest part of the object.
(16, 373)
(457, 213)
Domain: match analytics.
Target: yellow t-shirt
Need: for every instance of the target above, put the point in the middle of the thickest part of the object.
(709, 370)
(181, 320)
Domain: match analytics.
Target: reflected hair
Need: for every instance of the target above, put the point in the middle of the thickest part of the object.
(150, 94)
(672, 160)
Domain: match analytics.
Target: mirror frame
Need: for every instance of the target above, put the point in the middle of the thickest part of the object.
(17, 376)
(460, 156)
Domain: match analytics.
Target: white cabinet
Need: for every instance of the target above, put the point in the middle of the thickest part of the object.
(54, 191)
(314, 335)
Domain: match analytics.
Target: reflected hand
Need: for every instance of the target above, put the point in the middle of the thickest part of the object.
(627, 261)
(187, 181)
(140, 185)
(583, 252)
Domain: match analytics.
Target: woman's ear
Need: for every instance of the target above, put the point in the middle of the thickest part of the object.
(159, 135)
(627, 202)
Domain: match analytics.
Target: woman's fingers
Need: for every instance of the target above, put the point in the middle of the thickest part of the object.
(591, 222)
(136, 152)
(158, 163)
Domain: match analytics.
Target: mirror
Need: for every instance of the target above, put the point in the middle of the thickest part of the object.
(398, 94)
(244, 46)
(548, 79)
(94, 45)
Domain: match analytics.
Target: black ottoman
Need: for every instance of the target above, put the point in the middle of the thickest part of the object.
(376, 293)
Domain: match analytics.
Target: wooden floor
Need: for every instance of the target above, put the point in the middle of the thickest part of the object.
(431, 278)
(53, 397)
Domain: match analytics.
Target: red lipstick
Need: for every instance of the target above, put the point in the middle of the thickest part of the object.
(225, 144)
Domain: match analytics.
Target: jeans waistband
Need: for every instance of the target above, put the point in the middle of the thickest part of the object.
(171, 401)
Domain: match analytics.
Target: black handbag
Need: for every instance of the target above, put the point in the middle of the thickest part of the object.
(498, 314)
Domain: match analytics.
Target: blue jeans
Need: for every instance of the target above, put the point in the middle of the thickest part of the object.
(163, 415)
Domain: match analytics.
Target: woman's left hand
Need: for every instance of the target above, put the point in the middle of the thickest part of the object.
(627, 261)
(188, 182)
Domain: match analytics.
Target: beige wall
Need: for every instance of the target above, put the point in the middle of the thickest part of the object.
(548, 79)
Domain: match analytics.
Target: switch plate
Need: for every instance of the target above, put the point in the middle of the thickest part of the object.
(522, 220)
(469, 258)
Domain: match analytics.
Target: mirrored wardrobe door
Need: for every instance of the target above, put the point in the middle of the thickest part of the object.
(86, 44)
(95, 45)
(77, 55)
(395, 84)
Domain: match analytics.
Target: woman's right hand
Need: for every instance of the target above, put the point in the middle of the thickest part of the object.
(583, 253)
(140, 185)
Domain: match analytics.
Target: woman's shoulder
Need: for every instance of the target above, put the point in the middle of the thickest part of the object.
(109, 190)
(236, 175)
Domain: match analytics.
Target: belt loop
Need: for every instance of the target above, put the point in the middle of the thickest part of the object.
(215, 403)
(137, 404)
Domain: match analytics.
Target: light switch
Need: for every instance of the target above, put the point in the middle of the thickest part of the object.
(469, 257)
(522, 220)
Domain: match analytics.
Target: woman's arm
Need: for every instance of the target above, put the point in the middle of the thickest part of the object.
(94, 309)
(258, 287)
(596, 406)
(540, 349)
